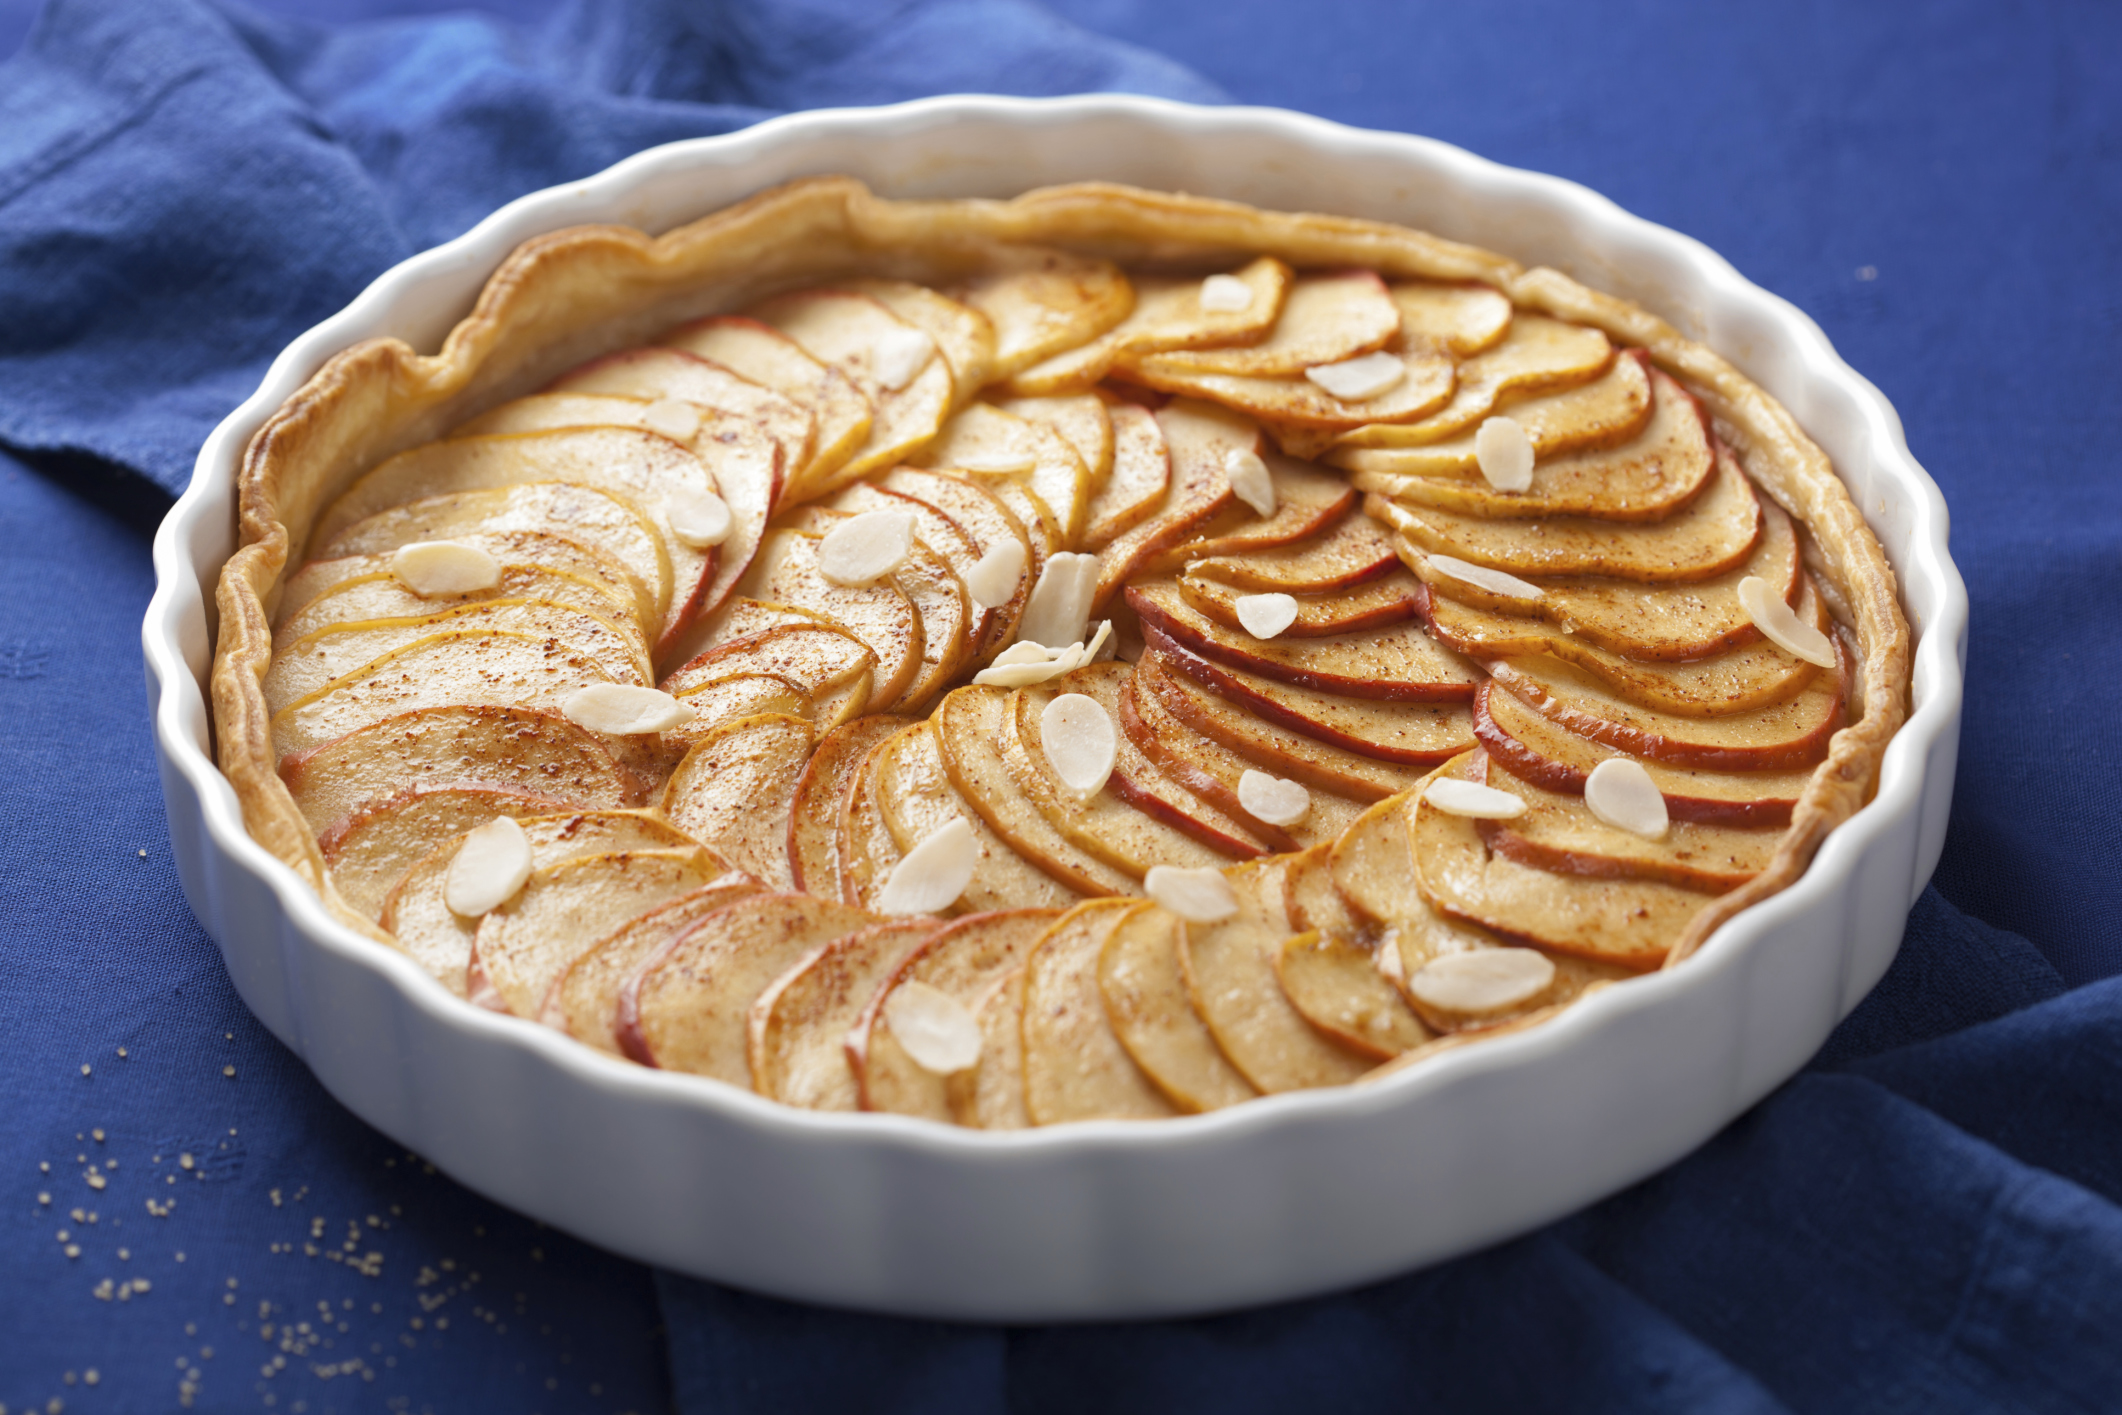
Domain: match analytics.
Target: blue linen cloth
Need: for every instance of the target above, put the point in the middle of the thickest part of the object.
(1926, 1219)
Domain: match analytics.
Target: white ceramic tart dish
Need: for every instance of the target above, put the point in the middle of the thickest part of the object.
(1509, 738)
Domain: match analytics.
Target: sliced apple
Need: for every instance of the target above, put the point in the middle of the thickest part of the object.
(796, 1031)
(1792, 733)
(417, 915)
(971, 728)
(1141, 477)
(963, 334)
(992, 446)
(1167, 314)
(1627, 922)
(1399, 663)
(1536, 354)
(741, 617)
(1335, 985)
(1213, 772)
(1108, 825)
(1082, 421)
(1042, 302)
(1199, 439)
(1606, 412)
(640, 469)
(735, 788)
(507, 749)
(940, 534)
(1297, 405)
(1313, 903)
(864, 849)
(821, 795)
(1074, 1065)
(605, 529)
(1392, 598)
(1736, 680)
(371, 850)
(916, 798)
(988, 523)
(1373, 874)
(1324, 319)
(1648, 478)
(1536, 750)
(522, 948)
(990, 1094)
(1308, 503)
(306, 665)
(380, 594)
(584, 1001)
(947, 619)
(1352, 551)
(832, 666)
(741, 695)
(690, 377)
(1268, 745)
(1462, 320)
(879, 616)
(1230, 977)
(847, 331)
(1414, 733)
(840, 411)
(1144, 991)
(963, 961)
(1711, 536)
(686, 1008)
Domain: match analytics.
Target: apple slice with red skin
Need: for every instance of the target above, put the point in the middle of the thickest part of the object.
(1633, 923)
(943, 536)
(1736, 680)
(1714, 535)
(1392, 598)
(962, 334)
(1141, 477)
(382, 595)
(1792, 733)
(988, 522)
(915, 798)
(1272, 747)
(1648, 478)
(722, 394)
(1308, 501)
(1207, 769)
(1559, 834)
(369, 851)
(1534, 749)
(1082, 421)
(796, 1031)
(1399, 663)
(830, 665)
(821, 796)
(735, 789)
(844, 329)
(685, 1009)
(980, 439)
(879, 616)
(1606, 412)
(840, 412)
(962, 961)
(1416, 734)
(584, 1002)
(865, 847)
(1665, 623)
(1199, 438)
(1353, 551)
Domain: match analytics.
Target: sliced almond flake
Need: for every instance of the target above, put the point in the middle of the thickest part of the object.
(1483, 578)
(993, 580)
(699, 518)
(1483, 980)
(1199, 896)
(623, 710)
(1079, 742)
(1620, 792)
(938, 1031)
(899, 355)
(1249, 479)
(1470, 798)
(933, 874)
(864, 549)
(1505, 454)
(1274, 799)
(1225, 294)
(1781, 624)
(490, 867)
(1058, 612)
(1103, 645)
(1025, 663)
(1266, 615)
(1359, 379)
(444, 567)
(675, 418)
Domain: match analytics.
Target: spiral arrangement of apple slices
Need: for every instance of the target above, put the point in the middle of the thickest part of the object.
(1062, 696)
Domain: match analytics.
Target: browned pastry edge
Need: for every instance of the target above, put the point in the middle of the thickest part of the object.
(569, 295)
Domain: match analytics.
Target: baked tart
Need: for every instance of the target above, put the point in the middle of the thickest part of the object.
(1104, 654)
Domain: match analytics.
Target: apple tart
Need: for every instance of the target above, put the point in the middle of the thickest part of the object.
(1097, 655)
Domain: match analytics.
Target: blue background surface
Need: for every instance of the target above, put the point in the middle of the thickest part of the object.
(1925, 1220)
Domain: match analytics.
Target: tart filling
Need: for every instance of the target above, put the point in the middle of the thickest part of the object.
(1101, 655)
